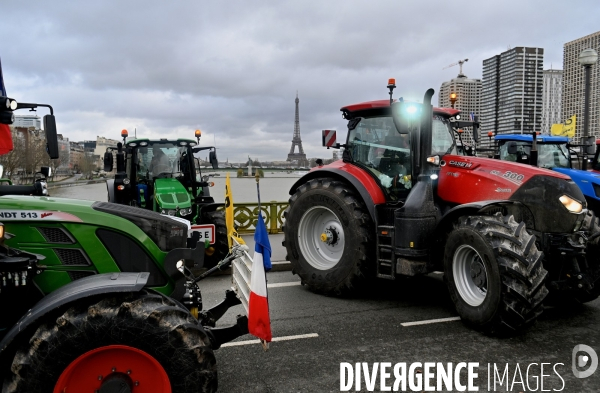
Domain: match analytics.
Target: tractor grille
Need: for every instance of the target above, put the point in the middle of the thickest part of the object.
(56, 235)
(181, 197)
(72, 257)
(167, 198)
(79, 274)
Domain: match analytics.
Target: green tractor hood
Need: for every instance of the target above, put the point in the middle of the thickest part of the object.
(171, 194)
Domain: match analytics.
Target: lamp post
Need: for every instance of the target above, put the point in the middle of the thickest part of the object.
(587, 58)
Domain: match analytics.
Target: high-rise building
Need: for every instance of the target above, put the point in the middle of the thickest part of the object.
(551, 97)
(27, 121)
(511, 98)
(574, 85)
(468, 98)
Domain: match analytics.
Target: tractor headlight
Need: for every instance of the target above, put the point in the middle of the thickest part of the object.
(571, 204)
(185, 211)
(172, 212)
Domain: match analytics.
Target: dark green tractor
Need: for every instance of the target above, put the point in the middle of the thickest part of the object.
(104, 290)
(100, 297)
(165, 176)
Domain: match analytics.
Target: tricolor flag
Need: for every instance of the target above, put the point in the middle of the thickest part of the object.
(6, 142)
(472, 116)
(259, 322)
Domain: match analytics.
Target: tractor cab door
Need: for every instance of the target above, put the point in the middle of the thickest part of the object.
(375, 144)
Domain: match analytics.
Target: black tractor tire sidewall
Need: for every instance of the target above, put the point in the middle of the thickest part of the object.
(221, 245)
(352, 267)
(159, 326)
(487, 311)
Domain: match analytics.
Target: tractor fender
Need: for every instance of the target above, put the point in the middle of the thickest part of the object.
(98, 284)
(450, 216)
(209, 207)
(473, 208)
(366, 186)
(110, 185)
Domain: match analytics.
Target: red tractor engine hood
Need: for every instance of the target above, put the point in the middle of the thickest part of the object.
(469, 179)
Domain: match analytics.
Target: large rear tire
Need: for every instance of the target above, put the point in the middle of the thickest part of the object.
(494, 273)
(327, 235)
(134, 339)
(585, 295)
(216, 252)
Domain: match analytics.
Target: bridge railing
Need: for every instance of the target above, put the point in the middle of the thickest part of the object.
(245, 216)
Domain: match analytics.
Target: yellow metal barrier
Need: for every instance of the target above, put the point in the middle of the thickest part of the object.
(246, 214)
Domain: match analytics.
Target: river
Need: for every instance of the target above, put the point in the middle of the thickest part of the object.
(273, 187)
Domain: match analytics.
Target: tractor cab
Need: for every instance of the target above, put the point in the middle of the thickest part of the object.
(161, 175)
(552, 151)
(393, 150)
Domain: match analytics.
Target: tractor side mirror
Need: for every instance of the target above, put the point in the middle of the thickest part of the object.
(511, 147)
(329, 138)
(108, 161)
(46, 171)
(476, 129)
(51, 136)
(212, 157)
(590, 145)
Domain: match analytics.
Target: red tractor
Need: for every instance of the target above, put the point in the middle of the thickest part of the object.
(403, 202)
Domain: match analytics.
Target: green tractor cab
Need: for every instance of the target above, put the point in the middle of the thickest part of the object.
(165, 176)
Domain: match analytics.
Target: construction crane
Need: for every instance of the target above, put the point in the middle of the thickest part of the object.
(460, 63)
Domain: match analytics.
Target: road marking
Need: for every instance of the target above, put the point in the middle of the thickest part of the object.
(283, 284)
(284, 338)
(451, 319)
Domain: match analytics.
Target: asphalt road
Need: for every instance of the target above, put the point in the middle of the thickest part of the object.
(368, 328)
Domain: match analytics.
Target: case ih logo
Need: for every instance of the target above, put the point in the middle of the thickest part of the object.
(461, 164)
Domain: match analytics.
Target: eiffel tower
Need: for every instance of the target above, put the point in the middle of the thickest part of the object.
(297, 141)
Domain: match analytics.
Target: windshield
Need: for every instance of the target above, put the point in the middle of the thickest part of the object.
(442, 141)
(550, 155)
(159, 158)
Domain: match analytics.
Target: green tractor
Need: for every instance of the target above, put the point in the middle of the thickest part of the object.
(164, 176)
(100, 297)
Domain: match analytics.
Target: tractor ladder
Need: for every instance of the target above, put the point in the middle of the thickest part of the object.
(386, 268)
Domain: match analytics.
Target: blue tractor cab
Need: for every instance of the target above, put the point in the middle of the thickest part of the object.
(551, 152)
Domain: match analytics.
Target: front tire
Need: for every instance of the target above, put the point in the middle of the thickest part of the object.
(216, 252)
(494, 273)
(327, 235)
(157, 335)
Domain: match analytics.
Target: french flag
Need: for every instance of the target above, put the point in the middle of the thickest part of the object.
(6, 142)
(259, 322)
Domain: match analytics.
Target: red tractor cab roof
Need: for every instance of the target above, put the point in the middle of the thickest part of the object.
(382, 107)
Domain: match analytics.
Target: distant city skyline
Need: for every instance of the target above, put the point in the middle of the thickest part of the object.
(232, 70)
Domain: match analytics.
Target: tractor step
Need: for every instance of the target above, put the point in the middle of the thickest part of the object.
(386, 267)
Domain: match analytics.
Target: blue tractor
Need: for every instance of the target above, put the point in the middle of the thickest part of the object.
(550, 152)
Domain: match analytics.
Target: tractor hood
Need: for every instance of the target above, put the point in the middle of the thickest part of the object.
(588, 181)
(171, 194)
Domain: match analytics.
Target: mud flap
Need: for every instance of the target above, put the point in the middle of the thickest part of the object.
(241, 273)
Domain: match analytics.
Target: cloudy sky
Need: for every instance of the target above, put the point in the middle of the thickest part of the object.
(232, 68)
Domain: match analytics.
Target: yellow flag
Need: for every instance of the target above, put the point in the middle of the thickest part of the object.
(570, 124)
(557, 129)
(231, 232)
(567, 129)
